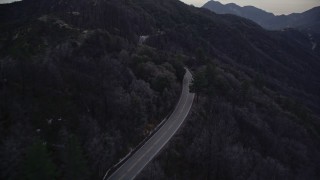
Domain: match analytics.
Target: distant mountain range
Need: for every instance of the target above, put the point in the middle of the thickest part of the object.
(309, 20)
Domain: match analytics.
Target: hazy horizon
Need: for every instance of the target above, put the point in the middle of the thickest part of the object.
(7, 1)
(274, 6)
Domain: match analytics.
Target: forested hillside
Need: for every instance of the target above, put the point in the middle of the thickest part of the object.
(80, 87)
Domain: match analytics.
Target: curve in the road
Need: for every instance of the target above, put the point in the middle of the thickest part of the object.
(134, 165)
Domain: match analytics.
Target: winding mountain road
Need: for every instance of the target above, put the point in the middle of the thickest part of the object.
(134, 165)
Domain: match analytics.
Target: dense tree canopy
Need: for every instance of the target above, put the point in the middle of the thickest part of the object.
(73, 74)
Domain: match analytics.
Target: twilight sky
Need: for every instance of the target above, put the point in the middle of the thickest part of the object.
(274, 6)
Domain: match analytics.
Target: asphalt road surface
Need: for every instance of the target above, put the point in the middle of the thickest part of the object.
(134, 165)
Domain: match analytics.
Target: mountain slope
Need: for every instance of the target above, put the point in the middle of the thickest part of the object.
(76, 70)
(250, 12)
(308, 20)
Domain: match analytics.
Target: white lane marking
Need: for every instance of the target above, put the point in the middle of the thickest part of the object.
(176, 108)
(135, 163)
(149, 149)
(166, 141)
(122, 176)
(168, 138)
(160, 138)
(184, 89)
